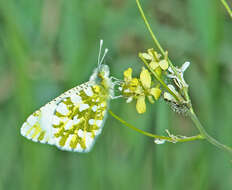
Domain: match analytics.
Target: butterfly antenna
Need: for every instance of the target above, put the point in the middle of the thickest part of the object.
(99, 54)
(105, 52)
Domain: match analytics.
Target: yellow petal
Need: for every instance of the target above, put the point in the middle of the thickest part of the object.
(145, 78)
(139, 90)
(133, 85)
(158, 71)
(128, 74)
(154, 65)
(141, 105)
(134, 82)
(156, 56)
(147, 56)
(151, 51)
(156, 92)
(151, 99)
(163, 64)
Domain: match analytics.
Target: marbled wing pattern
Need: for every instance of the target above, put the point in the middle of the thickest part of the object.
(72, 121)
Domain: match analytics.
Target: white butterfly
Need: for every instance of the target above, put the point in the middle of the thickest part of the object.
(73, 120)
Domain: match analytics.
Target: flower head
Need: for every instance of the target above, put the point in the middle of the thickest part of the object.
(155, 61)
(139, 89)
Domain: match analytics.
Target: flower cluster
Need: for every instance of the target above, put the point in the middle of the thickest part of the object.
(139, 89)
(155, 62)
(144, 87)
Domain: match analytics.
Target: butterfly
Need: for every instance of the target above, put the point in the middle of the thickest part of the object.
(74, 120)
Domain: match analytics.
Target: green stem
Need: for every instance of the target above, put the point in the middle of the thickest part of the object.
(149, 28)
(162, 51)
(227, 7)
(206, 135)
(170, 139)
(193, 116)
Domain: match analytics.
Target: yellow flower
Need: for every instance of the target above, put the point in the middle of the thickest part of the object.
(155, 61)
(145, 78)
(130, 84)
(139, 89)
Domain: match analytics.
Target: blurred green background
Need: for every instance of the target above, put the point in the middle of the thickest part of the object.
(49, 46)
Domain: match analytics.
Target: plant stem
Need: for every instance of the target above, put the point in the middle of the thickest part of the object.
(173, 139)
(206, 135)
(149, 28)
(193, 116)
(227, 7)
(162, 51)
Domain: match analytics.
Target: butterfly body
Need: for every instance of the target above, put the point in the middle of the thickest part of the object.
(73, 120)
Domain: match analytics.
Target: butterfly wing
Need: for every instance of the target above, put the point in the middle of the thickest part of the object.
(72, 121)
(38, 125)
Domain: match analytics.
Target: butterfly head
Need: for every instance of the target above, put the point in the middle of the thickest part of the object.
(103, 71)
(101, 74)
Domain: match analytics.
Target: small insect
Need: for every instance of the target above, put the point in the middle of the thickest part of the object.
(178, 107)
(73, 120)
